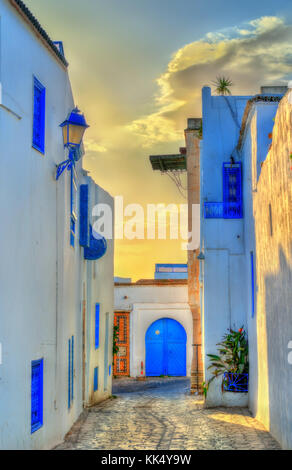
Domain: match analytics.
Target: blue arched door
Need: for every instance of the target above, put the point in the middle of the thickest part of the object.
(166, 342)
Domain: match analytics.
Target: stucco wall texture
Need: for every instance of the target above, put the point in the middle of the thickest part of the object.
(271, 328)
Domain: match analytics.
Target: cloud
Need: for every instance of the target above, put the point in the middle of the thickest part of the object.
(252, 54)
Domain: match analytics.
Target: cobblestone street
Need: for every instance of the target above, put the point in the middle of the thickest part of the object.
(166, 418)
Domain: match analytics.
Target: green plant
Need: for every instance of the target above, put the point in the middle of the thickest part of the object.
(232, 357)
(115, 340)
(222, 85)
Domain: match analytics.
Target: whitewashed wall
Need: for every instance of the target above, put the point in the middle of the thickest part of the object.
(98, 279)
(269, 235)
(40, 273)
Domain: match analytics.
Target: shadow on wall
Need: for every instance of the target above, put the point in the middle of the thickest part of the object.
(278, 311)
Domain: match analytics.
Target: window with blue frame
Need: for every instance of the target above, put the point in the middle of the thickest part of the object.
(39, 116)
(232, 191)
(73, 203)
(36, 395)
(70, 371)
(252, 278)
(97, 315)
(231, 207)
(95, 379)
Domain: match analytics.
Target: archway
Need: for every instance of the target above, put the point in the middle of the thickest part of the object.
(166, 342)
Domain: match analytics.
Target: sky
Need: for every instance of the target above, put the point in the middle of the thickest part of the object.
(137, 69)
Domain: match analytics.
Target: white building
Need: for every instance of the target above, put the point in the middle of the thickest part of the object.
(160, 327)
(44, 279)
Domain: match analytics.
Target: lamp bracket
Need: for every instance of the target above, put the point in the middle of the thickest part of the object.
(66, 164)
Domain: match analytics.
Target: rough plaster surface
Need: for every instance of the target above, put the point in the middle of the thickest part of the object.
(271, 391)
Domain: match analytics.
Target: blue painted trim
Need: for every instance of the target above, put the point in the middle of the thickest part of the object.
(73, 196)
(169, 265)
(69, 373)
(37, 391)
(95, 380)
(72, 369)
(97, 320)
(39, 116)
(252, 284)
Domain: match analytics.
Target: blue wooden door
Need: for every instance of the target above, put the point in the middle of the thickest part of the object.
(166, 342)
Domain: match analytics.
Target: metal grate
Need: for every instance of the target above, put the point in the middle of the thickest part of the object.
(36, 395)
(235, 382)
(213, 210)
(232, 191)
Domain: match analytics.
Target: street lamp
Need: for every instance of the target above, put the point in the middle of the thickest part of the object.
(73, 129)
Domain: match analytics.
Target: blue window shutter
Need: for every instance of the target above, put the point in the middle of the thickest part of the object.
(252, 284)
(97, 314)
(232, 191)
(36, 395)
(69, 373)
(95, 379)
(84, 216)
(72, 369)
(73, 215)
(39, 113)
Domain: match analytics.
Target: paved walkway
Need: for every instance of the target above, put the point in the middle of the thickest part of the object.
(166, 418)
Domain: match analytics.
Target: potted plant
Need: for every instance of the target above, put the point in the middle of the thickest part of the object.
(231, 362)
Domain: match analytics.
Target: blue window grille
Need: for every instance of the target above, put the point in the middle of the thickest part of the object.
(73, 212)
(39, 112)
(213, 210)
(95, 379)
(235, 382)
(84, 215)
(252, 284)
(232, 191)
(72, 369)
(36, 395)
(97, 316)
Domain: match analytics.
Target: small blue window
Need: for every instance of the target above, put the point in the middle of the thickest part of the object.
(252, 284)
(97, 315)
(73, 213)
(109, 370)
(95, 379)
(70, 371)
(36, 395)
(232, 191)
(39, 113)
(84, 215)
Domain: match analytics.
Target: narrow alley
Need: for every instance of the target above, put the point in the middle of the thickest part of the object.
(166, 418)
